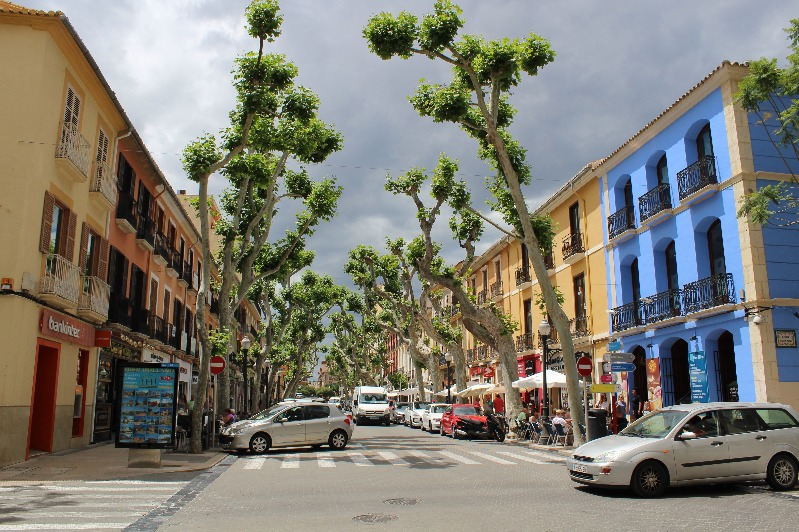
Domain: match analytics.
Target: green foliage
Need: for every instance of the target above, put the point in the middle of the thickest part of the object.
(389, 36)
(538, 298)
(438, 30)
(263, 19)
(199, 156)
(398, 379)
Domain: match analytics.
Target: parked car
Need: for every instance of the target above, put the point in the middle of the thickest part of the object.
(454, 413)
(370, 403)
(414, 417)
(398, 412)
(431, 417)
(692, 444)
(289, 425)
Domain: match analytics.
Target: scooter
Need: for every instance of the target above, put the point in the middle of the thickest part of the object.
(493, 428)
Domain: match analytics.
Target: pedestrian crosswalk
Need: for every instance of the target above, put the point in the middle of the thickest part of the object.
(364, 456)
(81, 505)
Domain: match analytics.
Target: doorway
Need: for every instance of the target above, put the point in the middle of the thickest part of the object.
(726, 373)
(45, 385)
(679, 372)
(639, 375)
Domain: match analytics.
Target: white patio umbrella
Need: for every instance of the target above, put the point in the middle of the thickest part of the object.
(412, 391)
(554, 380)
(453, 390)
(475, 389)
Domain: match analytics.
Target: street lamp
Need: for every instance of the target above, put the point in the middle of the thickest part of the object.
(448, 358)
(245, 347)
(543, 330)
(267, 365)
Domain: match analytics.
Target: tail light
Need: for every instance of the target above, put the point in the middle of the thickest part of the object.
(347, 420)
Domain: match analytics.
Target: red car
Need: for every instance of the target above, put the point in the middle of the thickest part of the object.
(455, 413)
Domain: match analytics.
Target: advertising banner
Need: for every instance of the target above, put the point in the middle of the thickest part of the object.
(654, 393)
(147, 412)
(697, 371)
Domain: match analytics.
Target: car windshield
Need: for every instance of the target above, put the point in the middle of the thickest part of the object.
(420, 406)
(466, 411)
(439, 409)
(269, 412)
(370, 398)
(656, 425)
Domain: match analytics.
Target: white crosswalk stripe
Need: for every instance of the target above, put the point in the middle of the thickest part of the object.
(424, 456)
(392, 458)
(290, 461)
(255, 463)
(459, 458)
(550, 457)
(492, 458)
(324, 460)
(522, 457)
(359, 459)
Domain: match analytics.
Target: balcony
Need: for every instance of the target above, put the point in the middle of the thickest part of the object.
(214, 305)
(157, 329)
(523, 275)
(710, 293)
(470, 355)
(627, 317)
(573, 248)
(120, 311)
(93, 300)
(663, 306)
(174, 266)
(552, 339)
(194, 286)
(524, 342)
(145, 233)
(655, 204)
(482, 297)
(481, 352)
(161, 249)
(184, 279)
(60, 284)
(697, 180)
(103, 188)
(175, 337)
(140, 322)
(621, 224)
(72, 153)
(496, 289)
(579, 327)
(126, 213)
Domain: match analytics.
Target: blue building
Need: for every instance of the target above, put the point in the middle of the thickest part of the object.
(706, 301)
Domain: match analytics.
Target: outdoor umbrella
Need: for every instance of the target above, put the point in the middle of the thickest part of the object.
(554, 380)
(475, 389)
(453, 391)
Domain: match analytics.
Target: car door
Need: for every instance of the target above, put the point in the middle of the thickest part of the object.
(289, 427)
(318, 423)
(749, 444)
(707, 455)
(446, 420)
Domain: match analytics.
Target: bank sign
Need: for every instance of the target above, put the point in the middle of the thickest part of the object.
(65, 328)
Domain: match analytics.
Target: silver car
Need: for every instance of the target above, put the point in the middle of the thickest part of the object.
(692, 444)
(289, 425)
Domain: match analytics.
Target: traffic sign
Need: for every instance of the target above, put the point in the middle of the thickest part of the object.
(217, 365)
(606, 378)
(619, 357)
(617, 367)
(584, 366)
(605, 388)
(606, 367)
(615, 345)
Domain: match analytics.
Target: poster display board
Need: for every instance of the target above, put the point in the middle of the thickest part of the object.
(148, 395)
(654, 392)
(697, 371)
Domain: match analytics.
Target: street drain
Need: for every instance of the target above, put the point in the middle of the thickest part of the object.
(375, 518)
(404, 502)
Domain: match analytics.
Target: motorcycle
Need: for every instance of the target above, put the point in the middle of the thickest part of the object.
(493, 428)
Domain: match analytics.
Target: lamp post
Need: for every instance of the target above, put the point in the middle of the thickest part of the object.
(448, 358)
(267, 366)
(245, 347)
(543, 330)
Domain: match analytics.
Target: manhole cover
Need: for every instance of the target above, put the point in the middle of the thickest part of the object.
(375, 518)
(405, 502)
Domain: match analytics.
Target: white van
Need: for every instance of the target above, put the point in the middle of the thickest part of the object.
(370, 403)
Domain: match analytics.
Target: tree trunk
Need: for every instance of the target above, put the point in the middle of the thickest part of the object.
(461, 377)
(420, 385)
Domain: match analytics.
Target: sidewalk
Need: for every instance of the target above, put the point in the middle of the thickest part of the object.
(560, 449)
(101, 462)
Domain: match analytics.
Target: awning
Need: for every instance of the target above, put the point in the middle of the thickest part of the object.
(475, 389)
(554, 380)
(453, 390)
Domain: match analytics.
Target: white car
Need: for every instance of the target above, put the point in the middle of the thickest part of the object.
(414, 416)
(431, 417)
(695, 443)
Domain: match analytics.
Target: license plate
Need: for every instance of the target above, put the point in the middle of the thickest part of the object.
(580, 468)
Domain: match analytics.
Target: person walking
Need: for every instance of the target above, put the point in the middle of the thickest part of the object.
(488, 407)
(621, 413)
(636, 406)
(499, 405)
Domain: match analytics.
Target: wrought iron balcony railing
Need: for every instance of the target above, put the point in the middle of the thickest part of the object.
(139, 321)
(470, 355)
(579, 327)
(61, 281)
(656, 200)
(145, 231)
(185, 274)
(621, 221)
(572, 245)
(175, 263)
(482, 352)
(126, 209)
(94, 297)
(105, 182)
(697, 176)
(663, 306)
(524, 342)
(709, 292)
(156, 328)
(523, 275)
(627, 317)
(482, 296)
(161, 247)
(496, 289)
(549, 259)
(73, 147)
(120, 309)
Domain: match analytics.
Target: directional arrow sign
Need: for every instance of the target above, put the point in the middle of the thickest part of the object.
(615, 345)
(619, 357)
(605, 388)
(617, 367)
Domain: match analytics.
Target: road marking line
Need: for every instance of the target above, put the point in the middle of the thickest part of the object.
(98, 488)
(459, 458)
(492, 458)
(392, 458)
(255, 463)
(522, 457)
(546, 456)
(424, 456)
(359, 459)
(324, 460)
(290, 461)
(74, 526)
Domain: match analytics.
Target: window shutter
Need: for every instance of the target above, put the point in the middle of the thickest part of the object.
(47, 223)
(124, 286)
(102, 262)
(102, 148)
(84, 247)
(69, 252)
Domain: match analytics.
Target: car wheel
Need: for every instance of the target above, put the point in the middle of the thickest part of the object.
(260, 443)
(337, 440)
(650, 479)
(781, 472)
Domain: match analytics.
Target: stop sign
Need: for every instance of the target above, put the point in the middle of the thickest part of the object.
(217, 365)
(584, 366)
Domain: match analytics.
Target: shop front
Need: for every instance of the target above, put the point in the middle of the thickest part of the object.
(105, 400)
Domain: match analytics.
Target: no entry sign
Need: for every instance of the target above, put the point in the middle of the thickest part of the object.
(217, 365)
(584, 366)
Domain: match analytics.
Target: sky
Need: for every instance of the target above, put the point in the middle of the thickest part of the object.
(619, 64)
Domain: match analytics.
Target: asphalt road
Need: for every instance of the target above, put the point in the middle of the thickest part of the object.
(388, 478)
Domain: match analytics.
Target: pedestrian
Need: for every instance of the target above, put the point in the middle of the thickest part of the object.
(601, 403)
(499, 405)
(636, 406)
(621, 413)
(229, 416)
(183, 403)
(488, 407)
(523, 414)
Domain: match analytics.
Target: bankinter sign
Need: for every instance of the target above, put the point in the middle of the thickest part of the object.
(65, 328)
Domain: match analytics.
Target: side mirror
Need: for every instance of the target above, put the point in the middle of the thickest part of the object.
(687, 435)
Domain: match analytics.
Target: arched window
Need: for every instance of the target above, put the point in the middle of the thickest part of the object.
(663, 171)
(628, 193)
(715, 246)
(671, 267)
(704, 144)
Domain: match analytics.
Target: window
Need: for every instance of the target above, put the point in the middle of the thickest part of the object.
(628, 193)
(635, 280)
(58, 228)
(715, 246)
(293, 414)
(167, 306)
(739, 421)
(579, 296)
(126, 176)
(574, 219)
(704, 144)
(72, 109)
(93, 258)
(775, 418)
(671, 267)
(317, 412)
(153, 296)
(704, 425)
(662, 171)
(102, 153)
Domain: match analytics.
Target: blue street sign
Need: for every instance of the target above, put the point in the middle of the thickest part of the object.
(617, 367)
(615, 345)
